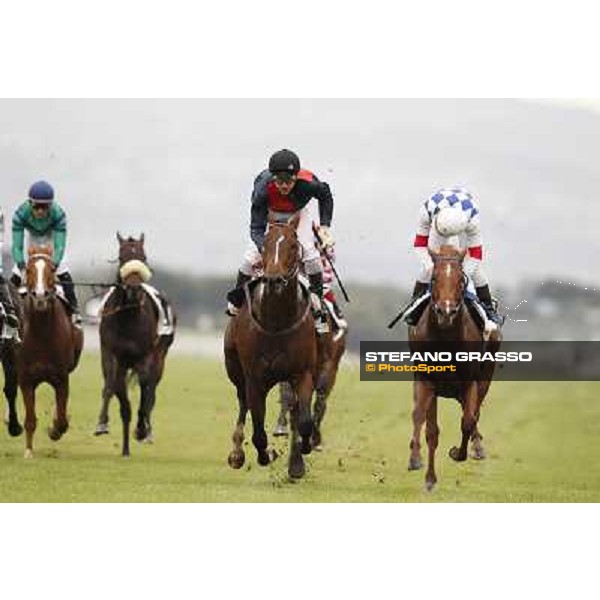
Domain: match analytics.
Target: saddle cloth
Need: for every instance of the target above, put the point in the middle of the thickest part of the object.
(165, 319)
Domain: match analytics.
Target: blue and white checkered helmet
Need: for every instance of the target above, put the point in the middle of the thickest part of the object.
(450, 221)
(452, 197)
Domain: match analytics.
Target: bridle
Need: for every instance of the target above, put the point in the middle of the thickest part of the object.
(49, 294)
(292, 273)
(437, 310)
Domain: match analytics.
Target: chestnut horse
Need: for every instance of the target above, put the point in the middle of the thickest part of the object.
(51, 344)
(273, 339)
(446, 320)
(130, 343)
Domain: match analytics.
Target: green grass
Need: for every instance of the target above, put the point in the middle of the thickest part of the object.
(543, 443)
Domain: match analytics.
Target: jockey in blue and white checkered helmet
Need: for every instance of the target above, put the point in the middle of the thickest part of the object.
(447, 217)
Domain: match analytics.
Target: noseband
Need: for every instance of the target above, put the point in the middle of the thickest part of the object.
(435, 306)
(285, 279)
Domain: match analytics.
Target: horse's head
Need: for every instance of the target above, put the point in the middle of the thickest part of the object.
(281, 253)
(40, 277)
(447, 285)
(133, 270)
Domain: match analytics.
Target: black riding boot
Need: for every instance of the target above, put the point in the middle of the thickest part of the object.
(485, 297)
(5, 298)
(413, 318)
(316, 287)
(235, 297)
(67, 283)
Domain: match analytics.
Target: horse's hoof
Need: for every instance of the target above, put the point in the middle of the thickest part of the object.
(429, 485)
(273, 454)
(54, 434)
(15, 429)
(28, 453)
(297, 470)
(280, 431)
(264, 459)
(455, 454)
(478, 454)
(149, 439)
(101, 429)
(317, 441)
(414, 464)
(318, 448)
(236, 459)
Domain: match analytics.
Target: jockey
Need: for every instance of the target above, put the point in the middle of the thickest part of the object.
(285, 189)
(450, 214)
(46, 224)
(5, 298)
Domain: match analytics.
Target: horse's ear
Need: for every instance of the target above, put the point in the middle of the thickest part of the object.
(142, 237)
(119, 238)
(294, 221)
(271, 217)
(32, 250)
(432, 253)
(462, 255)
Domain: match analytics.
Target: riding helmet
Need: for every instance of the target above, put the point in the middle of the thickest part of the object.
(284, 161)
(41, 192)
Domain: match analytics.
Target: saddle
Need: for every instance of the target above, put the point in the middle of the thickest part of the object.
(165, 326)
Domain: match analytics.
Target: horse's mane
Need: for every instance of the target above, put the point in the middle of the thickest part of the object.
(449, 252)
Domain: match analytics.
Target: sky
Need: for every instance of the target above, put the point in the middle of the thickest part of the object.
(181, 171)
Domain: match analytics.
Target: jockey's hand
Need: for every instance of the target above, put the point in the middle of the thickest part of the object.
(326, 237)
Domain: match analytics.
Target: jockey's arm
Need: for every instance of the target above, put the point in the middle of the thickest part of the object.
(322, 192)
(259, 212)
(474, 244)
(60, 236)
(18, 240)
(421, 245)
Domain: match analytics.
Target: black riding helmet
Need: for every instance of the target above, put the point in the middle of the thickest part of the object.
(284, 162)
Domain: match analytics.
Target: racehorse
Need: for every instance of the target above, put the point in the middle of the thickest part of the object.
(130, 342)
(330, 353)
(447, 320)
(51, 344)
(273, 339)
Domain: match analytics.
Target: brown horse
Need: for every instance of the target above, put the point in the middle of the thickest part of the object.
(331, 349)
(130, 343)
(51, 344)
(446, 320)
(273, 339)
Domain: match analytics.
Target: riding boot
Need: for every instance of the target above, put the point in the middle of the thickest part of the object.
(69, 288)
(485, 297)
(319, 312)
(413, 318)
(12, 320)
(235, 298)
(341, 319)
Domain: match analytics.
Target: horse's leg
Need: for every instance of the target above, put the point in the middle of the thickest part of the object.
(478, 451)
(125, 405)
(432, 435)
(302, 426)
(423, 397)
(469, 422)
(109, 367)
(9, 366)
(323, 389)
(148, 378)
(256, 398)
(28, 392)
(237, 457)
(61, 420)
(285, 398)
